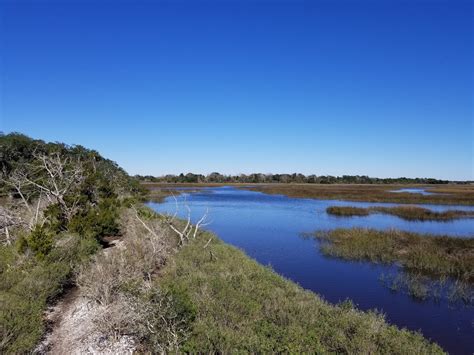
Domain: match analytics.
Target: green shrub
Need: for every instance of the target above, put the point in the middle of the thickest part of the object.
(98, 222)
(24, 294)
(57, 221)
(40, 241)
(171, 313)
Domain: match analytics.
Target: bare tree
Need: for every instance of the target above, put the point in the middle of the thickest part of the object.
(49, 179)
(17, 180)
(56, 177)
(189, 229)
(8, 219)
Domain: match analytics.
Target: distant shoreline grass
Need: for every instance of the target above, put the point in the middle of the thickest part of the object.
(447, 194)
(410, 213)
(242, 306)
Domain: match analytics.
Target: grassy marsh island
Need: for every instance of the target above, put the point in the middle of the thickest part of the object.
(439, 258)
(410, 213)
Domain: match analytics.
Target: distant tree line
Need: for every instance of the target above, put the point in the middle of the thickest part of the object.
(285, 178)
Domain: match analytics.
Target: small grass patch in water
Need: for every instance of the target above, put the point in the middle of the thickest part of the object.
(422, 287)
(347, 211)
(428, 262)
(410, 213)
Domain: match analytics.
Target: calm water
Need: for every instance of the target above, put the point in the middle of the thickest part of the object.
(268, 228)
(417, 190)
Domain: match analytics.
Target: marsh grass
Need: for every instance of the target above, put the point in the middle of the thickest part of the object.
(438, 256)
(343, 211)
(242, 306)
(410, 213)
(446, 194)
(422, 287)
(429, 263)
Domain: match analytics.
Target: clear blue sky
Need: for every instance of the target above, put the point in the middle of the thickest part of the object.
(376, 87)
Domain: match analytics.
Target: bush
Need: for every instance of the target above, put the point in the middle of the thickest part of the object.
(98, 222)
(23, 297)
(40, 241)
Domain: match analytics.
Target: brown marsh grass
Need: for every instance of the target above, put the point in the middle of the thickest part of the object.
(437, 256)
(411, 213)
(448, 194)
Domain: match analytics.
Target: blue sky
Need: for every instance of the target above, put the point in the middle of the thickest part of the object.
(380, 88)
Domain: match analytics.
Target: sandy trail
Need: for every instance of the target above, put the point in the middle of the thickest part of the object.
(72, 329)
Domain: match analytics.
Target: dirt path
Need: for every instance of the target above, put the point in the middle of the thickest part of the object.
(72, 329)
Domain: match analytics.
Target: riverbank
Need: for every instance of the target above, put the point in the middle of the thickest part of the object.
(241, 305)
(150, 294)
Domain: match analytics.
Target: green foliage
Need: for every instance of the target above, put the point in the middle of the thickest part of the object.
(98, 222)
(182, 304)
(28, 284)
(40, 241)
(40, 264)
(55, 217)
(25, 287)
(242, 306)
(171, 313)
(21, 323)
(18, 150)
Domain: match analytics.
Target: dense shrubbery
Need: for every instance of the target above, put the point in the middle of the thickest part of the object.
(59, 202)
(28, 283)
